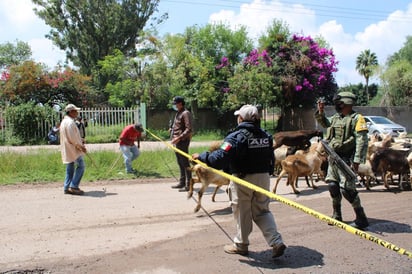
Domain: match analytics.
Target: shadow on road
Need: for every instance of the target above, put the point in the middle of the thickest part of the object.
(98, 193)
(223, 211)
(294, 257)
(380, 226)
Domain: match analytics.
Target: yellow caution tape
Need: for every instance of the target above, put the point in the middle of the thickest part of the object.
(293, 204)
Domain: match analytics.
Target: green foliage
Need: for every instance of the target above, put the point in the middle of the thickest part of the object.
(398, 83)
(397, 77)
(303, 69)
(24, 118)
(121, 74)
(89, 30)
(194, 58)
(11, 54)
(366, 65)
(405, 53)
(252, 84)
(359, 91)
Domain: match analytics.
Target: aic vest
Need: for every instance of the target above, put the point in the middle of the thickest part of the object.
(255, 153)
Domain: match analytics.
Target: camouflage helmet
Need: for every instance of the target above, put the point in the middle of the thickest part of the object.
(346, 97)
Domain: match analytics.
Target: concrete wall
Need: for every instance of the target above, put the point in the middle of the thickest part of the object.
(400, 115)
(295, 118)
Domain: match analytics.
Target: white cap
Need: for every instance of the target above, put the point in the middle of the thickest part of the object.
(71, 107)
(248, 113)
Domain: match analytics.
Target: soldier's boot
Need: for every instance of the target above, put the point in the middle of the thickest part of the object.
(361, 221)
(337, 212)
(334, 191)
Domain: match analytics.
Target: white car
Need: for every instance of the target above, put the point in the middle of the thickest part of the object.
(382, 125)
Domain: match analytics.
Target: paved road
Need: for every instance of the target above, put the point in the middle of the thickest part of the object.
(144, 226)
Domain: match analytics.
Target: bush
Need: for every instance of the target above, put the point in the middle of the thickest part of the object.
(25, 118)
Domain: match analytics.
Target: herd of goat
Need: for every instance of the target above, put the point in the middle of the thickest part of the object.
(298, 154)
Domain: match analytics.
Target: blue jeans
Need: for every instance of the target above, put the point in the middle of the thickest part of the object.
(130, 153)
(73, 176)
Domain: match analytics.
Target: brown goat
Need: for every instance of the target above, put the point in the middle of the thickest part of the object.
(299, 139)
(386, 160)
(206, 177)
(299, 165)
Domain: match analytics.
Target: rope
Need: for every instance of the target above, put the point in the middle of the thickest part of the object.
(362, 234)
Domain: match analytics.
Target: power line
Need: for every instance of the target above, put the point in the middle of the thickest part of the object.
(321, 10)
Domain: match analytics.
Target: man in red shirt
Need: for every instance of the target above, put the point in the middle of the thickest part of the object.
(128, 137)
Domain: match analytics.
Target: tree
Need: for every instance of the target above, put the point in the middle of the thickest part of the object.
(11, 54)
(89, 30)
(253, 82)
(144, 78)
(366, 64)
(397, 82)
(359, 91)
(196, 59)
(303, 71)
(397, 77)
(405, 53)
(31, 82)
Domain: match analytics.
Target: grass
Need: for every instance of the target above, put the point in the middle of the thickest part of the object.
(45, 166)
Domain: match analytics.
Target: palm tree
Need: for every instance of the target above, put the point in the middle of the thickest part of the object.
(366, 63)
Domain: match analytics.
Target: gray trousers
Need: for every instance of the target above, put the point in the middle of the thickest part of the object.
(248, 206)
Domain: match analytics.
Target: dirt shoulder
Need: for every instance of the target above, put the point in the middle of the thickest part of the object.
(144, 226)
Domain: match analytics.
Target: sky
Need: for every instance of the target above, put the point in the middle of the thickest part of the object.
(349, 26)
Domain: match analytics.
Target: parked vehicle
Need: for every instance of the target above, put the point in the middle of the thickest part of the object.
(380, 124)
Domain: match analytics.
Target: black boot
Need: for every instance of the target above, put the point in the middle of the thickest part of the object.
(334, 190)
(337, 212)
(361, 221)
(180, 185)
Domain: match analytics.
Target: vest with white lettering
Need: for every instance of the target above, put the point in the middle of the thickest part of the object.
(254, 150)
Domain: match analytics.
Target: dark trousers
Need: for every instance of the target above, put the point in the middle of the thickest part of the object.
(183, 162)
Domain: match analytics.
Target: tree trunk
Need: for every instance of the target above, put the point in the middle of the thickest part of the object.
(195, 110)
(296, 119)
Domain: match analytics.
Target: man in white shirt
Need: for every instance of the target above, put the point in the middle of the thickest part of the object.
(73, 150)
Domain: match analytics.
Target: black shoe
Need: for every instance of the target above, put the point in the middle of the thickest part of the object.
(185, 189)
(361, 221)
(178, 186)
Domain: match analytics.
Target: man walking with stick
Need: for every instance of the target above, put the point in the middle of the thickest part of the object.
(72, 151)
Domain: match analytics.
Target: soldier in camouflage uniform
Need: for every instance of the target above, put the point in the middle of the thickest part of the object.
(347, 135)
